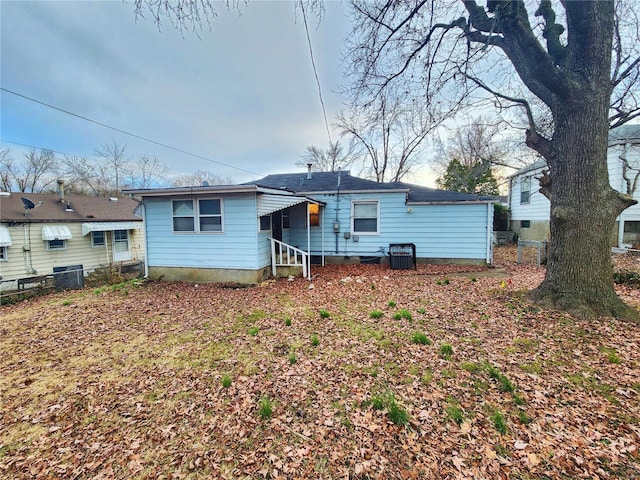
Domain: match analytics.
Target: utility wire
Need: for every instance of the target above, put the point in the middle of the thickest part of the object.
(195, 155)
(315, 71)
(39, 148)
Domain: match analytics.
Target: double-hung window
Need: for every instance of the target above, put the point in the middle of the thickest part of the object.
(525, 190)
(97, 239)
(365, 217)
(203, 215)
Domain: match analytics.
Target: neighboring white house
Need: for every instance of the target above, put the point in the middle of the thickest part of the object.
(530, 210)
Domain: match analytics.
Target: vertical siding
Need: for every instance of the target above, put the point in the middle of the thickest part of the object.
(236, 248)
(439, 231)
(79, 251)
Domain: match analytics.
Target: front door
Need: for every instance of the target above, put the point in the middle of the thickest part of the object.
(121, 246)
(276, 225)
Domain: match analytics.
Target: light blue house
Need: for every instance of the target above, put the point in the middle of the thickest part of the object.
(244, 233)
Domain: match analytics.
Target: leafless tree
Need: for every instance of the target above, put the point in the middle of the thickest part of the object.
(33, 174)
(115, 160)
(388, 135)
(327, 160)
(580, 60)
(198, 178)
(147, 172)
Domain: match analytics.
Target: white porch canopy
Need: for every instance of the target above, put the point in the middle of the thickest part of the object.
(56, 232)
(5, 237)
(267, 204)
(89, 227)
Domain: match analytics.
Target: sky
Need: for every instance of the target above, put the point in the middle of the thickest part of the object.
(243, 94)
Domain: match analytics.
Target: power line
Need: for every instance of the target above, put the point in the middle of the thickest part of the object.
(315, 72)
(39, 148)
(195, 155)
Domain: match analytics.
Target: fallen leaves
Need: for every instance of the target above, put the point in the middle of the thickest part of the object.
(120, 386)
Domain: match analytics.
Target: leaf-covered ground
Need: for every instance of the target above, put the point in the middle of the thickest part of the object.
(459, 377)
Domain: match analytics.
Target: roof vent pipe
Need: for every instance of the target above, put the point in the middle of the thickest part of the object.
(309, 165)
(60, 189)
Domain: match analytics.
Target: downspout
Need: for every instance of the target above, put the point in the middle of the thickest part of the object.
(623, 157)
(322, 233)
(489, 233)
(336, 224)
(146, 240)
(308, 243)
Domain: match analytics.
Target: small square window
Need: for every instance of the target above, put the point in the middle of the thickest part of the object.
(265, 223)
(57, 245)
(97, 239)
(3, 254)
(525, 223)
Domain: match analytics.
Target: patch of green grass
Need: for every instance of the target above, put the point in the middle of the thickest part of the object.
(448, 373)
(499, 422)
(474, 279)
(226, 380)
(533, 367)
(612, 355)
(504, 384)
(397, 414)
(502, 451)
(257, 315)
(253, 331)
(420, 338)
(391, 303)
(386, 400)
(265, 410)
(526, 344)
(66, 303)
(404, 313)
(324, 313)
(444, 281)
(292, 358)
(473, 367)
(446, 351)
(287, 322)
(376, 314)
(524, 418)
(454, 414)
(591, 383)
(518, 399)
(427, 377)
(315, 341)
(421, 311)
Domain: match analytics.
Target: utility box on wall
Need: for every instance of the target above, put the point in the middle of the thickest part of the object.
(402, 256)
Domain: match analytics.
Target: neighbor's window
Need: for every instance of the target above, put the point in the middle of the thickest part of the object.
(314, 215)
(56, 245)
(525, 190)
(525, 223)
(97, 239)
(364, 217)
(183, 216)
(265, 223)
(210, 215)
(3, 254)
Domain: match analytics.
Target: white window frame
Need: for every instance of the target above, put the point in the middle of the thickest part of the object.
(353, 217)
(4, 254)
(195, 205)
(522, 190)
(260, 223)
(93, 240)
(61, 247)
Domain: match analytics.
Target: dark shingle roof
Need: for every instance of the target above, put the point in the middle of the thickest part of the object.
(84, 208)
(328, 182)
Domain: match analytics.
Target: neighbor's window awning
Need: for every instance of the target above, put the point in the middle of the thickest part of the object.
(5, 237)
(268, 204)
(56, 232)
(89, 227)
